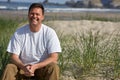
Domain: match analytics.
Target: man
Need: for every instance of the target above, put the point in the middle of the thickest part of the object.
(34, 49)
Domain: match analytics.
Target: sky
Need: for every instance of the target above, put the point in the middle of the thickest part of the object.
(55, 1)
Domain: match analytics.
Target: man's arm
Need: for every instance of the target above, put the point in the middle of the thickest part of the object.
(15, 60)
(51, 59)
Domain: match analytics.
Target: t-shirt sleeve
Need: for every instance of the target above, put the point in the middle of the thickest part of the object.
(14, 45)
(53, 42)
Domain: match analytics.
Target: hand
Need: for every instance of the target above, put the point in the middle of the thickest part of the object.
(27, 70)
(28, 74)
(32, 68)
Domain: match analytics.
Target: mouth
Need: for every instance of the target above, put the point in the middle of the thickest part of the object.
(34, 21)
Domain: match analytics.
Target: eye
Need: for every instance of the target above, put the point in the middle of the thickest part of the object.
(31, 14)
(37, 14)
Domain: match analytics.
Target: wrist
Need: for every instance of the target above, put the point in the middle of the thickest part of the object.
(36, 66)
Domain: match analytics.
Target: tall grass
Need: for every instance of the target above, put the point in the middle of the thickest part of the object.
(7, 27)
(92, 54)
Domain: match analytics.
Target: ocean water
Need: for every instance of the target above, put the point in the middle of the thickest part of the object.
(15, 5)
(55, 1)
(25, 5)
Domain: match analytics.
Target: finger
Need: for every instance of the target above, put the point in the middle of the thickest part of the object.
(29, 74)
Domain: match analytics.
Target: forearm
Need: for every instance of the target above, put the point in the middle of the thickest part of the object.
(52, 59)
(15, 60)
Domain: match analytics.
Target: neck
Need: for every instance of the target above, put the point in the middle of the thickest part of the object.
(34, 28)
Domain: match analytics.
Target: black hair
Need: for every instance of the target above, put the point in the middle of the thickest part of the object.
(37, 5)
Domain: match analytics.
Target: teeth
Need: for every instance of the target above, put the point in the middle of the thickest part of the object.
(34, 20)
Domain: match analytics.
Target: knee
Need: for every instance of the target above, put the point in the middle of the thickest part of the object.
(11, 66)
(53, 67)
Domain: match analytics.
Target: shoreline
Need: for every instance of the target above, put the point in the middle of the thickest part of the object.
(22, 14)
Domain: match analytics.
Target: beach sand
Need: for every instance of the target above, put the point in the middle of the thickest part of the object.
(79, 26)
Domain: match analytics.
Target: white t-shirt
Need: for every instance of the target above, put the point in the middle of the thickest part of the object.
(34, 47)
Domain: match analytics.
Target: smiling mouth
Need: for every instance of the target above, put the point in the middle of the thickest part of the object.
(34, 20)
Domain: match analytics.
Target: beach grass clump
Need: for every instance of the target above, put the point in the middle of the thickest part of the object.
(7, 27)
(91, 54)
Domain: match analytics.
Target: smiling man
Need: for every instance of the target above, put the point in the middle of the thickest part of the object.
(34, 49)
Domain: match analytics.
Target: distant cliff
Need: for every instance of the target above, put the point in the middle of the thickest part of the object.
(94, 3)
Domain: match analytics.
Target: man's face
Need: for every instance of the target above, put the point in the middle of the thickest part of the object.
(35, 16)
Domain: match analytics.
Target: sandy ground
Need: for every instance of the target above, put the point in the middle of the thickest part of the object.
(78, 26)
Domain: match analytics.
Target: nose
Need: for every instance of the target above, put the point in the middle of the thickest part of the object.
(33, 15)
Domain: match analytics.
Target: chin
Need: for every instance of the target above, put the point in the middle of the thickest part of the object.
(34, 24)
